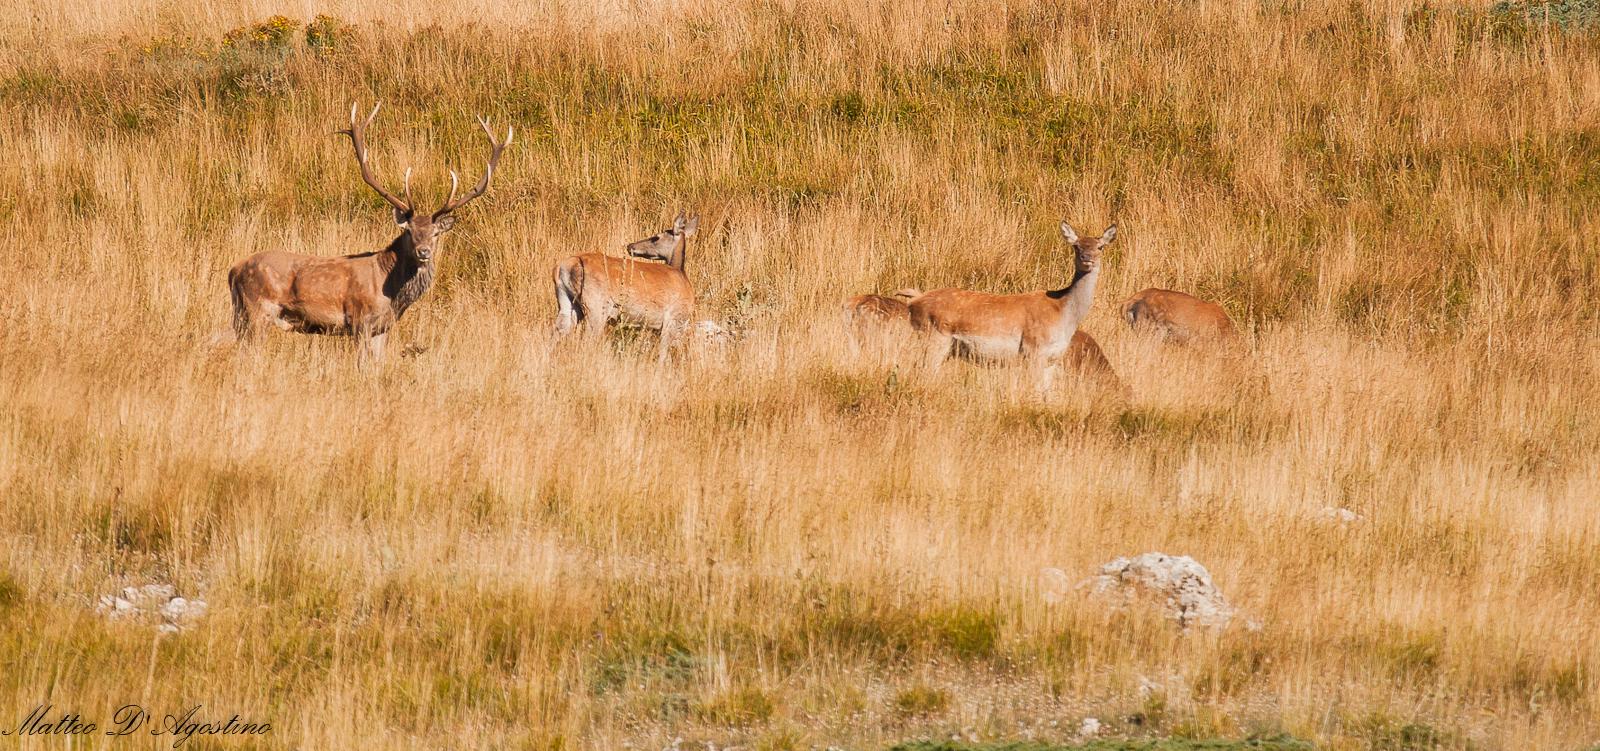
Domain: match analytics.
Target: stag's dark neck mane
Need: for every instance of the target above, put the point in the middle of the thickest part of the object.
(405, 280)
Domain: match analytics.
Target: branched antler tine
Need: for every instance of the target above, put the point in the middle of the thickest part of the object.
(357, 133)
(488, 172)
(408, 186)
(454, 183)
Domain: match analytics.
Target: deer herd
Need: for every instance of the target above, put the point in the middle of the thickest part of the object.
(363, 295)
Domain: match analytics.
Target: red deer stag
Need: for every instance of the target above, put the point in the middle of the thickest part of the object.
(1038, 326)
(1179, 317)
(363, 294)
(597, 288)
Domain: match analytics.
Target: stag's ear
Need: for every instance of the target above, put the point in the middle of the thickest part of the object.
(1109, 235)
(694, 224)
(1066, 231)
(402, 217)
(444, 223)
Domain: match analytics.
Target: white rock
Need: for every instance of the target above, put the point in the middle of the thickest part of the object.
(1179, 583)
(1089, 728)
(174, 608)
(1054, 584)
(153, 599)
(150, 595)
(710, 332)
(1340, 515)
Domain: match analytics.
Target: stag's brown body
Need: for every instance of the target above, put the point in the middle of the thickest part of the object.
(355, 295)
(1179, 317)
(361, 295)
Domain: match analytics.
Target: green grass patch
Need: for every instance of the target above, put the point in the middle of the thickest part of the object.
(738, 708)
(921, 700)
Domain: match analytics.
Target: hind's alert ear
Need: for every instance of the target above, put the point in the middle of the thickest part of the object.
(1110, 234)
(1066, 231)
(694, 224)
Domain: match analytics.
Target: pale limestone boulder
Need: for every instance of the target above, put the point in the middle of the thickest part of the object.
(1178, 584)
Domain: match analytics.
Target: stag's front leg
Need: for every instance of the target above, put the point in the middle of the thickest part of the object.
(371, 354)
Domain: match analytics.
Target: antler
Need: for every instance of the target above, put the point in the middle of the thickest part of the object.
(357, 133)
(494, 158)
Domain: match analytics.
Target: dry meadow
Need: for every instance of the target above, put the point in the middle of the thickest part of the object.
(796, 541)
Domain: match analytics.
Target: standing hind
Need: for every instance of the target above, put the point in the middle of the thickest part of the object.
(595, 289)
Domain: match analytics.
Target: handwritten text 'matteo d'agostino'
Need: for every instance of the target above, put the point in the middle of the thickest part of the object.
(132, 718)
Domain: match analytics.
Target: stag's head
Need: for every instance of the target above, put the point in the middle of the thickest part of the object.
(665, 245)
(422, 229)
(1087, 250)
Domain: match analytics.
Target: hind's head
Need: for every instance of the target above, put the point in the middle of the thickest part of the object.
(1087, 250)
(667, 244)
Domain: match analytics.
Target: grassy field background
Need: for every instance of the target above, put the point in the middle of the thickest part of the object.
(796, 542)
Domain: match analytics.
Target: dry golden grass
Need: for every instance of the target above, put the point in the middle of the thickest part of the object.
(496, 545)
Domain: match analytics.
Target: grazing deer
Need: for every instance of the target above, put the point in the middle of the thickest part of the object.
(879, 310)
(363, 294)
(1179, 317)
(1038, 326)
(597, 288)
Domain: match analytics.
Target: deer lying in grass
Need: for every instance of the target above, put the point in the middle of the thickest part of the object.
(879, 310)
(1037, 326)
(361, 295)
(1179, 317)
(1087, 358)
(597, 288)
